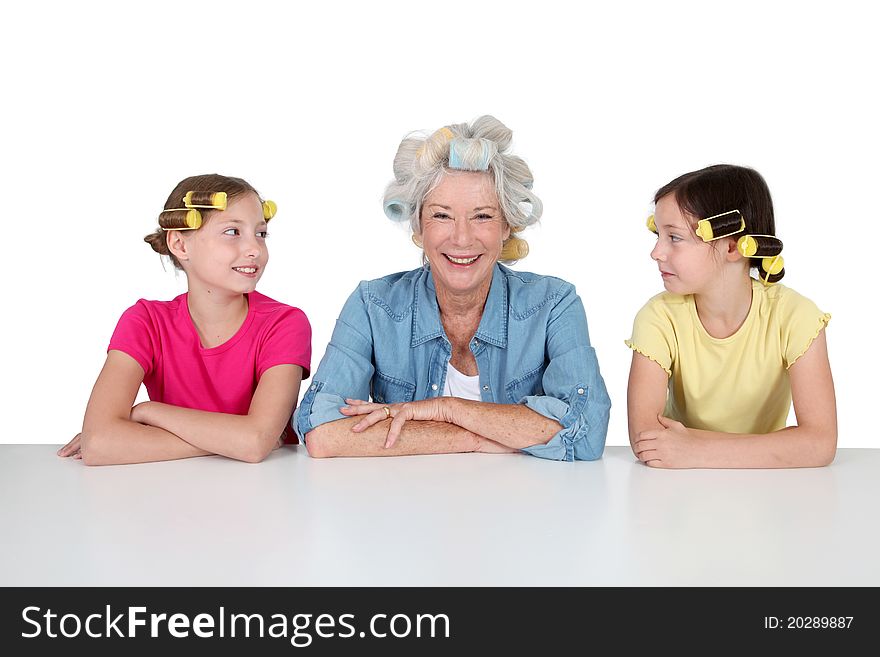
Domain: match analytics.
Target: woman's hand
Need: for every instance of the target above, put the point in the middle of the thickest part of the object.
(437, 409)
(670, 447)
(72, 448)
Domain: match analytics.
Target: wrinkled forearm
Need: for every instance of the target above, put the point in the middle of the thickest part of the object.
(513, 425)
(417, 437)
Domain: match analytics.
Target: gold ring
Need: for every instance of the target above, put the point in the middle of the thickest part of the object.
(387, 412)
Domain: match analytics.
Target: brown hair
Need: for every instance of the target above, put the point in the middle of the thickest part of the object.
(210, 182)
(721, 188)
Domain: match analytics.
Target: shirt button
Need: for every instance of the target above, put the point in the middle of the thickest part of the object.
(580, 391)
(486, 388)
(380, 400)
(433, 386)
(314, 387)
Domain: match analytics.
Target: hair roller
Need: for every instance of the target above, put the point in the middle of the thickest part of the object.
(180, 219)
(651, 224)
(435, 146)
(471, 154)
(720, 225)
(772, 269)
(212, 200)
(514, 248)
(759, 246)
(397, 210)
(772, 265)
(270, 208)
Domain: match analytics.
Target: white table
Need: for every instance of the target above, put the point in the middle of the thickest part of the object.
(466, 519)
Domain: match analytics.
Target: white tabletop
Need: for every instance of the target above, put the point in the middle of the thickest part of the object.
(464, 519)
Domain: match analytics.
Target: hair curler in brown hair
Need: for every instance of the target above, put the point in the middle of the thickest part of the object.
(180, 219)
(720, 225)
(199, 195)
(705, 192)
(212, 200)
(759, 246)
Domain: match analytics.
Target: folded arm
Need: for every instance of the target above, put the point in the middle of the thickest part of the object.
(115, 433)
(419, 437)
(249, 437)
(109, 436)
(509, 425)
(567, 421)
(661, 442)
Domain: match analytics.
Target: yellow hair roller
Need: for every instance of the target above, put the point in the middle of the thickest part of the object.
(747, 246)
(720, 225)
(269, 209)
(212, 200)
(773, 265)
(514, 248)
(193, 219)
(184, 219)
(759, 246)
(446, 135)
(651, 225)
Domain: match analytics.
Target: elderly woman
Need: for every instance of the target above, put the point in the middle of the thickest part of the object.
(462, 354)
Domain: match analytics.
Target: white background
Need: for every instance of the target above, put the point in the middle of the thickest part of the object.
(107, 105)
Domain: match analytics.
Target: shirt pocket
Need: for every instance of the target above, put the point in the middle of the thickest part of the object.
(529, 383)
(390, 390)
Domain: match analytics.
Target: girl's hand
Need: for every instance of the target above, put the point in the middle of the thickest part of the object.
(670, 447)
(139, 413)
(72, 448)
(436, 409)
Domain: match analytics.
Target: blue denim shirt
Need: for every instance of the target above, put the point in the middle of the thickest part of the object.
(532, 347)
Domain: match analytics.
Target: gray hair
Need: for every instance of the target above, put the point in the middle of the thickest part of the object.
(421, 162)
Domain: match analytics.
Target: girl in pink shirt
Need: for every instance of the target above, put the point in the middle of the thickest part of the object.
(222, 364)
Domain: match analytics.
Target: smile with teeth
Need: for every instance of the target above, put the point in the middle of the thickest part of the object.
(245, 270)
(467, 260)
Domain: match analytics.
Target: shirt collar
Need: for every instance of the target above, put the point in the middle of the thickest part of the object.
(426, 313)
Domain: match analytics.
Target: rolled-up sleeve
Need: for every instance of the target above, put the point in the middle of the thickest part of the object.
(345, 370)
(574, 391)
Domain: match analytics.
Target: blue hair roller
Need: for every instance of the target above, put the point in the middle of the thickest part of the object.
(396, 210)
(455, 161)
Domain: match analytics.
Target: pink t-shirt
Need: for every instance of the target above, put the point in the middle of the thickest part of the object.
(161, 337)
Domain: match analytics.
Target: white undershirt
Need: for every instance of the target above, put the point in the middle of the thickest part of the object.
(460, 385)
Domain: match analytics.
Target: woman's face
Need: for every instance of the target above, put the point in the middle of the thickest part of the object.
(462, 230)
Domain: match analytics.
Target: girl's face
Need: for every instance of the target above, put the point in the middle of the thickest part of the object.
(462, 230)
(687, 264)
(228, 253)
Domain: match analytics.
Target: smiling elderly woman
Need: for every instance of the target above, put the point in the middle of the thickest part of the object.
(462, 354)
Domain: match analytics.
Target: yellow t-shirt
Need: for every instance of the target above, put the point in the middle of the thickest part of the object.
(737, 384)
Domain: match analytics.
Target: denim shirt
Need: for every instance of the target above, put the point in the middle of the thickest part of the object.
(532, 347)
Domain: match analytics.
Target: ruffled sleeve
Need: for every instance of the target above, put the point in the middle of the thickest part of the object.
(801, 321)
(653, 335)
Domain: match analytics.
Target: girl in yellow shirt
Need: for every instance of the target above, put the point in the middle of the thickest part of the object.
(719, 356)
